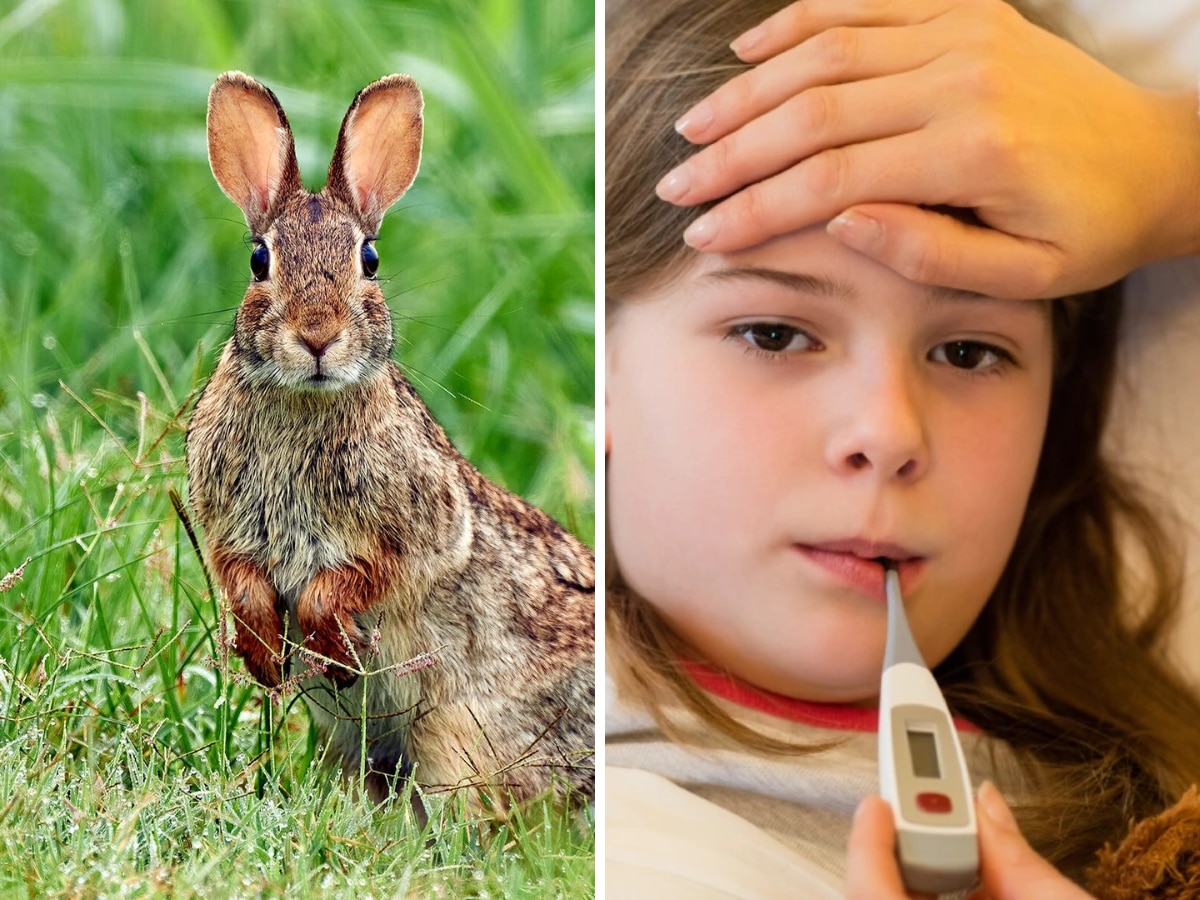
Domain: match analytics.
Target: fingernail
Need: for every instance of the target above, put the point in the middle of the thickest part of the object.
(747, 41)
(695, 120)
(995, 808)
(674, 185)
(859, 811)
(703, 231)
(859, 232)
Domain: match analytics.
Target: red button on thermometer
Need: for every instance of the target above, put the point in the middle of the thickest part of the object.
(922, 772)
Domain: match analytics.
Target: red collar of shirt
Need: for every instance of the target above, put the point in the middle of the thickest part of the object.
(836, 716)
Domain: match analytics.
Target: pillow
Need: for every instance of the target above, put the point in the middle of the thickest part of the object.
(1156, 421)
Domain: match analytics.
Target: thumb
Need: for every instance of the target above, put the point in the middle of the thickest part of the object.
(871, 869)
(872, 872)
(933, 248)
(1010, 869)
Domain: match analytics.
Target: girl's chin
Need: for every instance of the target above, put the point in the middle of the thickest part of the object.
(841, 688)
(863, 699)
(834, 655)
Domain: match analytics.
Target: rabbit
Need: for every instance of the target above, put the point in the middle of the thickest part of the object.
(347, 534)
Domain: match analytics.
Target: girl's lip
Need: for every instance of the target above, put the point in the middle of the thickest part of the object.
(867, 549)
(863, 573)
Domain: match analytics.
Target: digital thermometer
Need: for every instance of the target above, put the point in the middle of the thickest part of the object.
(922, 771)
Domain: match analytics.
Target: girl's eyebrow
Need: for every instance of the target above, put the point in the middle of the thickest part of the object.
(804, 282)
(824, 286)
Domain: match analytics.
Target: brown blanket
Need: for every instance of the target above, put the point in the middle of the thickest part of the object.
(1159, 858)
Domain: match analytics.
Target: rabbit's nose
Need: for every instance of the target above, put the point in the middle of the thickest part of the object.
(317, 344)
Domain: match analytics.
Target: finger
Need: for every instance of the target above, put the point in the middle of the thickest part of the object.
(871, 869)
(818, 119)
(1009, 867)
(834, 56)
(799, 21)
(932, 248)
(906, 168)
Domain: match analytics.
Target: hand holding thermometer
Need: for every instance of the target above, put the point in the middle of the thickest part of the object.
(922, 772)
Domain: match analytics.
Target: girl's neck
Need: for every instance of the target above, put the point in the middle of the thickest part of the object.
(834, 716)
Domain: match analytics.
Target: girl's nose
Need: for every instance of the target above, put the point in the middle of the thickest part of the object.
(881, 430)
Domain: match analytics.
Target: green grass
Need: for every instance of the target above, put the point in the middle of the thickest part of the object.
(133, 762)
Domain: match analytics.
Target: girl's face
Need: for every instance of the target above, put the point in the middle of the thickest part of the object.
(779, 417)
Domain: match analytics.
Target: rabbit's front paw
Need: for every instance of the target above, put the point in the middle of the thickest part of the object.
(261, 647)
(325, 613)
(256, 621)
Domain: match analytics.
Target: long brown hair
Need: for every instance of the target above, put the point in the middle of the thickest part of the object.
(1067, 663)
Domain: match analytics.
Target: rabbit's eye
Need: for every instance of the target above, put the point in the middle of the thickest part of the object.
(260, 262)
(370, 260)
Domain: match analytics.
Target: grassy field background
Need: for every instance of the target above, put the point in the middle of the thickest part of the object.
(133, 762)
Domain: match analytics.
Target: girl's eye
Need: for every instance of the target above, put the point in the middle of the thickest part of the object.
(260, 262)
(970, 355)
(773, 337)
(370, 260)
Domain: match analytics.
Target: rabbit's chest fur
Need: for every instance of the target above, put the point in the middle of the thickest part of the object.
(298, 483)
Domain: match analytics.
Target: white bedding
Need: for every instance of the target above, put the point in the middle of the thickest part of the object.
(1157, 418)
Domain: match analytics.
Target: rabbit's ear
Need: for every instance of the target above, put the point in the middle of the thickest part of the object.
(250, 147)
(379, 148)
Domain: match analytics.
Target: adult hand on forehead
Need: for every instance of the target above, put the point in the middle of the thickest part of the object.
(864, 111)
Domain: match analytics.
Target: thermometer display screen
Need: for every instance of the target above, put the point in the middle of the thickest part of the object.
(922, 746)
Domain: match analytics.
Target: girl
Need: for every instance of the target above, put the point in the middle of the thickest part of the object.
(777, 419)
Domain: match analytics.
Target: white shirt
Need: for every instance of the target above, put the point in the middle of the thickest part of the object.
(703, 818)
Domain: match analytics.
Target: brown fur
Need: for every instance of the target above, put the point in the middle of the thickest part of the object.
(256, 621)
(347, 533)
(1159, 858)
